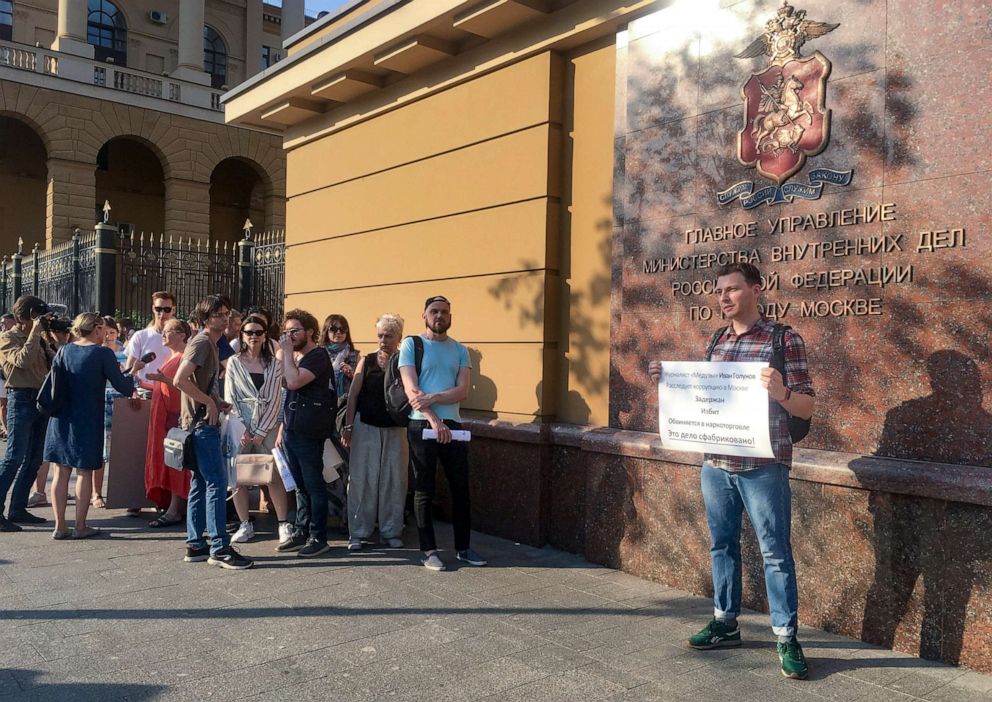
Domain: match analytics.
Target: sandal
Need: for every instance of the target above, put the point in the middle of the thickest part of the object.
(164, 520)
(97, 502)
(87, 533)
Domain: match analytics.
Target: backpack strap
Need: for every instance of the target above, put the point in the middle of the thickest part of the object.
(714, 340)
(418, 353)
(778, 347)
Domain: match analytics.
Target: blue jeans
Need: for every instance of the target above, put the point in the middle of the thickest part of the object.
(766, 495)
(306, 462)
(205, 508)
(26, 428)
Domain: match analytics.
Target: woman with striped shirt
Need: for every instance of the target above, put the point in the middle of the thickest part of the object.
(253, 386)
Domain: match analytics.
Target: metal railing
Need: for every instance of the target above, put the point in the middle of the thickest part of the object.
(134, 266)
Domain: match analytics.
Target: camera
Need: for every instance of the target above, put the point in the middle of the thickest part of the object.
(52, 317)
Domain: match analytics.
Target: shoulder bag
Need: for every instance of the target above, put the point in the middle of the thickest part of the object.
(53, 395)
(180, 451)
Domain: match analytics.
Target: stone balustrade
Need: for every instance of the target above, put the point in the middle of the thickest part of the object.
(22, 57)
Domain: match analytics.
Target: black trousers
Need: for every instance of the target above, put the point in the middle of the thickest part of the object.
(454, 459)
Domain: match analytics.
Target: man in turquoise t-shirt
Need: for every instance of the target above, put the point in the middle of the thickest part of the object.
(435, 396)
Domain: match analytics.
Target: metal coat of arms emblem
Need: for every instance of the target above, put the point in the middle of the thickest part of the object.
(785, 115)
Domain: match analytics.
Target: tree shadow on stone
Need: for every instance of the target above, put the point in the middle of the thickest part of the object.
(939, 541)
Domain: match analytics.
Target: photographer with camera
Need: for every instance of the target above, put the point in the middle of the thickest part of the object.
(25, 355)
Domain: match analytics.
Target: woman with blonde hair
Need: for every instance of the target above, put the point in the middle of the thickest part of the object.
(75, 433)
(377, 488)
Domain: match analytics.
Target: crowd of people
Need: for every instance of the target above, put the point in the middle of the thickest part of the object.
(288, 407)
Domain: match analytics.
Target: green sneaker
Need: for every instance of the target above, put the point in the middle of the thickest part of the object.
(793, 660)
(716, 634)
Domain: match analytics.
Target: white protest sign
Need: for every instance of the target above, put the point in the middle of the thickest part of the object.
(714, 407)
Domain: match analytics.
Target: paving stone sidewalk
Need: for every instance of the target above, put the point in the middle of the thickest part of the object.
(123, 618)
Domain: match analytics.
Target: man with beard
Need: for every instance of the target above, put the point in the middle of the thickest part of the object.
(308, 415)
(731, 484)
(435, 395)
(197, 378)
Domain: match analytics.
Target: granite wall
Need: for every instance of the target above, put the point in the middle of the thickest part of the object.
(887, 279)
(895, 316)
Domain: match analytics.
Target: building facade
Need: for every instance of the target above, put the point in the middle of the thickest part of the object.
(571, 172)
(119, 101)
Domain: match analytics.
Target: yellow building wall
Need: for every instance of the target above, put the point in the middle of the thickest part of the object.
(444, 197)
(587, 224)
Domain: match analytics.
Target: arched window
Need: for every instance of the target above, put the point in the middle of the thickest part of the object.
(106, 30)
(214, 57)
(6, 19)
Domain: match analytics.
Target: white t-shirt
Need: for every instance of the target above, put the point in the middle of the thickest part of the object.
(142, 342)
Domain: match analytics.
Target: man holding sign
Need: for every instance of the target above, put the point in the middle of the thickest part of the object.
(759, 484)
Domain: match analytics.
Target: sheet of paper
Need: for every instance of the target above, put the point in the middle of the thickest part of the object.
(714, 407)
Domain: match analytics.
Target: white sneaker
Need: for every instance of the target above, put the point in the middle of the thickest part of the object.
(285, 532)
(394, 542)
(244, 534)
(37, 499)
(355, 545)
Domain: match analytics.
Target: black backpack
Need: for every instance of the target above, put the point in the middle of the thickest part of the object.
(798, 427)
(397, 403)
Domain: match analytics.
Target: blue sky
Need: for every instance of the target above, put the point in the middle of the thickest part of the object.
(316, 6)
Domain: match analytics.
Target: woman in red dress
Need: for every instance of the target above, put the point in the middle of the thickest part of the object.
(166, 487)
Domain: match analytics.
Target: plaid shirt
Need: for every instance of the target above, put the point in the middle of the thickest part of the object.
(756, 345)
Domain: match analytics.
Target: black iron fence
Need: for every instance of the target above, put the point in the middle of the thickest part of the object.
(117, 273)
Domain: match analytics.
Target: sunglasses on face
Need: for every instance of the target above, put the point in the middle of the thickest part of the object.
(297, 330)
(163, 310)
(338, 330)
(253, 332)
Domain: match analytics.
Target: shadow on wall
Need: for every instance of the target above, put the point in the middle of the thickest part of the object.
(482, 392)
(584, 338)
(943, 543)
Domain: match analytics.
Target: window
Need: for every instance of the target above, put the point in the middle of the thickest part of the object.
(106, 30)
(6, 19)
(214, 57)
(269, 56)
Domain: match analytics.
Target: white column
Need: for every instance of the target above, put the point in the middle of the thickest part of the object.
(71, 38)
(292, 18)
(190, 65)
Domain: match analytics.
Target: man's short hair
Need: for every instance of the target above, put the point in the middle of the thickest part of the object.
(306, 320)
(164, 295)
(25, 306)
(752, 276)
(437, 298)
(206, 307)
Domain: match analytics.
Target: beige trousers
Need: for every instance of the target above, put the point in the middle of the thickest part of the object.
(378, 480)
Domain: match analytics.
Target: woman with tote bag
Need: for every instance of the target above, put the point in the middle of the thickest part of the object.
(254, 389)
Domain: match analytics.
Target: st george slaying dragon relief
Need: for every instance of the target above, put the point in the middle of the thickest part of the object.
(785, 115)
